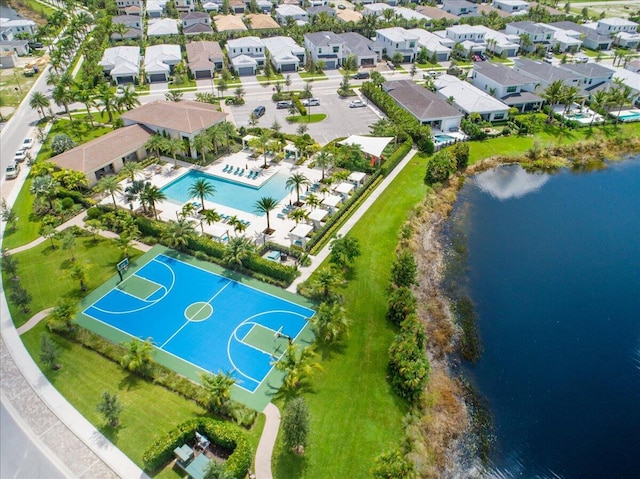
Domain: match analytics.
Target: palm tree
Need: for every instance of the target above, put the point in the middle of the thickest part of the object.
(173, 147)
(313, 201)
(151, 195)
(109, 184)
(134, 191)
(108, 100)
(325, 282)
(295, 182)
(78, 272)
(155, 143)
(227, 129)
(570, 95)
(620, 95)
(44, 185)
(599, 102)
(324, 159)
(265, 205)
(237, 225)
(216, 135)
(203, 189)
(128, 99)
(202, 143)
(299, 215)
(261, 145)
(297, 365)
(178, 233)
(62, 96)
(218, 387)
(330, 321)
(38, 101)
(553, 94)
(209, 216)
(131, 168)
(138, 358)
(85, 95)
(237, 250)
(174, 96)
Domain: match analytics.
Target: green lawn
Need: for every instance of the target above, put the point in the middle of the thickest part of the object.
(43, 272)
(313, 76)
(189, 85)
(313, 118)
(28, 224)
(276, 77)
(354, 414)
(38, 7)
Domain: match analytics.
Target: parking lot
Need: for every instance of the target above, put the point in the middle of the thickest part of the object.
(341, 120)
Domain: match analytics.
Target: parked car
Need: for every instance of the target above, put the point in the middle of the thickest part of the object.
(259, 111)
(580, 58)
(27, 143)
(361, 76)
(311, 102)
(356, 104)
(476, 58)
(20, 155)
(12, 171)
(391, 65)
(341, 7)
(120, 91)
(483, 56)
(281, 105)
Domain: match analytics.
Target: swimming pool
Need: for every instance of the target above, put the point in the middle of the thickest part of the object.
(579, 116)
(228, 193)
(631, 116)
(443, 138)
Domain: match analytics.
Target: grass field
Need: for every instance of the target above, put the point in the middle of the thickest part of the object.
(43, 272)
(354, 414)
(313, 118)
(313, 76)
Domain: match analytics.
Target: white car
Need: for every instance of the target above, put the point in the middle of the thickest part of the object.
(311, 102)
(12, 171)
(20, 155)
(27, 144)
(356, 104)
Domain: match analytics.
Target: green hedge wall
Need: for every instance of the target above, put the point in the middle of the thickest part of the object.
(222, 434)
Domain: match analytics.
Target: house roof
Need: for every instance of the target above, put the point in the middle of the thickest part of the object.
(397, 34)
(163, 53)
(322, 8)
(132, 10)
(194, 16)
(95, 154)
(290, 11)
(543, 71)
(358, 44)
(487, 9)
(126, 19)
(283, 49)
(245, 42)
(372, 145)
(162, 26)
(420, 102)
(501, 74)
(121, 59)
(589, 33)
(531, 27)
(429, 41)
(197, 28)
(201, 54)
(184, 116)
(466, 96)
(244, 61)
(349, 16)
(323, 39)
(520, 98)
(226, 23)
(409, 14)
(588, 70)
(435, 13)
(262, 21)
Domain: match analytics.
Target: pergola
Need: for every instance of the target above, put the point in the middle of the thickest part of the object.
(291, 150)
(371, 145)
(298, 235)
(344, 188)
(316, 216)
(246, 140)
(332, 201)
(357, 177)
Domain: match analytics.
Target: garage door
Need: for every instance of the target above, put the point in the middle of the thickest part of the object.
(157, 77)
(289, 68)
(203, 74)
(245, 71)
(367, 62)
(330, 65)
(122, 80)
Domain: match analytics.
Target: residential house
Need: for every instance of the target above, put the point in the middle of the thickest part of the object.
(293, 12)
(184, 119)
(398, 40)
(133, 10)
(627, 40)
(427, 107)
(349, 15)
(432, 43)
(566, 41)
(317, 3)
(229, 23)
(410, 14)
(469, 99)
(286, 55)
(544, 74)
(19, 47)
(159, 61)
(262, 21)
(265, 6)
(204, 58)
(435, 13)
(315, 11)
(194, 23)
(514, 89)
(237, 7)
(155, 8)
(470, 37)
(500, 43)
(106, 155)
(185, 6)
(460, 8)
(633, 66)
(133, 25)
(486, 9)
(158, 27)
(594, 76)
(613, 25)
(8, 57)
(121, 64)
(537, 34)
(367, 52)
(590, 37)
(326, 47)
(630, 79)
(246, 54)
(511, 6)
(124, 4)
(376, 9)
(211, 7)
(10, 29)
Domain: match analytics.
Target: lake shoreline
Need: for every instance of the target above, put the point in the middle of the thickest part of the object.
(447, 420)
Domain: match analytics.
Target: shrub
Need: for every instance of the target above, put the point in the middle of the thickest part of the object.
(404, 269)
(461, 154)
(391, 465)
(439, 167)
(94, 213)
(295, 423)
(408, 365)
(61, 143)
(224, 435)
(299, 106)
(66, 203)
(396, 157)
(402, 303)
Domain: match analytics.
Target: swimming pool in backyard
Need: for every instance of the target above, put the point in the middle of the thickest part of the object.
(633, 115)
(443, 138)
(228, 193)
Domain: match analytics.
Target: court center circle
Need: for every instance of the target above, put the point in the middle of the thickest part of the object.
(198, 311)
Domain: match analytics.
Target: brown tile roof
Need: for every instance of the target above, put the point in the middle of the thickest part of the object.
(349, 16)
(98, 153)
(487, 9)
(186, 116)
(420, 102)
(435, 13)
(261, 21)
(226, 23)
(199, 53)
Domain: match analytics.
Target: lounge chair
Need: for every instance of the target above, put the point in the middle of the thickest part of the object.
(241, 173)
(281, 216)
(225, 169)
(236, 171)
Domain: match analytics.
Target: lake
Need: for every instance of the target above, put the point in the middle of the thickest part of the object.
(554, 271)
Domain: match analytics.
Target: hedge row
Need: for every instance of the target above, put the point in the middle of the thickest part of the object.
(396, 157)
(221, 434)
(299, 106)
(76, 196)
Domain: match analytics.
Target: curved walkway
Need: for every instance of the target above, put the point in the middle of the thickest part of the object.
(267, 442)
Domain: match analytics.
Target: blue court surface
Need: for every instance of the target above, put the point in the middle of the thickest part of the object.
(210, 321)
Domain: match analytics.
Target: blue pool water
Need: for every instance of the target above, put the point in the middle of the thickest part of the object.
(630, 117)
(228, 193)
(443, 138)
(554, 272)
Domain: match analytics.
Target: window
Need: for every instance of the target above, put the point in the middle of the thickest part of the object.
(336, 49)
(512, 89)
(498, 116)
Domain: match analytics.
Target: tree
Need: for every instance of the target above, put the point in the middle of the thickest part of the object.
(553, 94)
(131, 168)
(138, 357)
(265, 205)
(298, 215)
(402, 302)
(330, 321)
(128, 99)
(324, 284)
(48, 231)
(253, 120)
(44, 185)
(620, 95)
(295, 182)
(238, 225)
(261, 145)
(38, 101)
(218, 387)
(391, 465)
(599, 102)
(228, 130)
(238, 250)
(344, 250)
(324, 159)
(202, 143)
(215, 470)
(173, 147)
(62, 96)
(461, 153)
(178, 233)
(209, 216)
(110, 408)
(238, 95)
(108, 100)
(295, 424)
(174, 96)
(413, 70)
(154, 143)
(297, 364)
(150, 196)
(110, 184)
(49, 352)
(61, 143)
(20, 297)
(202, 189)
(68, 240)
(9, 264)
(9, 216)
(439, 167)
(78, 272)
(404, 270)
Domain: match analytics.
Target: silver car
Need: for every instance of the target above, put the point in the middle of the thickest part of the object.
(12, 171)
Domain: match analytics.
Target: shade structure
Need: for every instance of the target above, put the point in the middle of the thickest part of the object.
(332, 201)
(344, 188)
(318, 214)
(357, 177)
(218, 233)
(371, 145)
(246, 140)
(298, 235)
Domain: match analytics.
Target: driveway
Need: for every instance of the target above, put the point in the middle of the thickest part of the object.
(341, 120)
